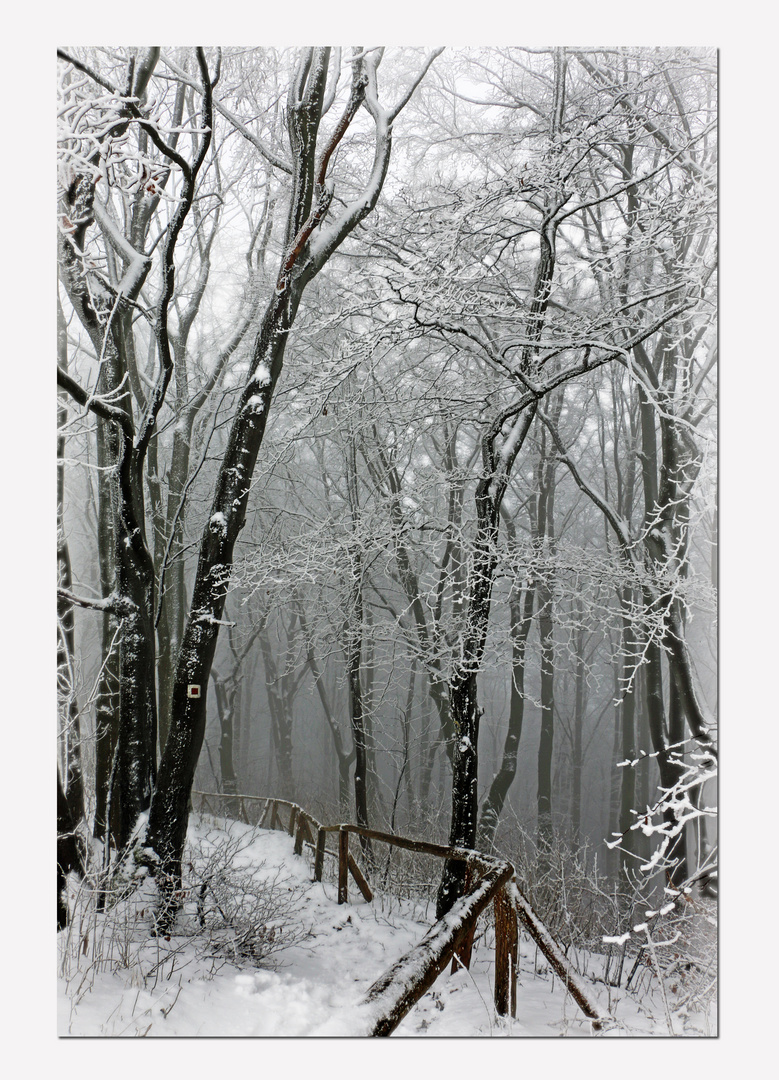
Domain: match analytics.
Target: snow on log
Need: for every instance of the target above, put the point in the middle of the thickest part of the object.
(401, 986)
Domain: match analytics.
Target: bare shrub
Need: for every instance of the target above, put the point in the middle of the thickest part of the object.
(241, 909)
(233, 909)
(576, 901)
(671, 951)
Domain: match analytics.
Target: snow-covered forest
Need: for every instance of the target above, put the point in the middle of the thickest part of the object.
(387, 489)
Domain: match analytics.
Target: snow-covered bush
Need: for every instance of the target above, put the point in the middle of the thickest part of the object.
(242, 911)
(567, 889)
(233, 910)
(669, 954)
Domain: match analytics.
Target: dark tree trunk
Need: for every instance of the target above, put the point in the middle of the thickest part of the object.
(66, 644)
(629, 753)
(168, 816)
(134, 577)
(463, 691)
(169, 552)
(463, 695)
(646, 772)
(68, 854)
(580, 698)
(359, 736)
(672, 770)
(545, 545)
(226, 708)
(353, 648)
(107, 695)
(306, 251)
(107, 315)
(521, 616)
(546, 740)
(612, 857)
(69, 713)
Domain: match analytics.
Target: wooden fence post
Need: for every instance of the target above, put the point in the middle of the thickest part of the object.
(362, 884)
(462, 955)
(319, 858)
(343, 866)
(303, 832)
(292, 815)
(505, 954)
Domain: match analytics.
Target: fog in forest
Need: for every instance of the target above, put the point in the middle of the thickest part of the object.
(387, 460)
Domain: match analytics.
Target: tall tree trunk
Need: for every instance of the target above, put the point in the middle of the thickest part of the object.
(545, 545)
(168, 815)
(646, 769)
(463, 695)
(580, 698)
(281, 721)
(629, 745)
(68, 854)
(546, 740)
(69, 719)
(307, 249)
(463, 690)
(672, 766)
(406, 728)
(107, 693)
(169, 554)
(353, 647)
(520, 615)
(226, 708)
(134, 576)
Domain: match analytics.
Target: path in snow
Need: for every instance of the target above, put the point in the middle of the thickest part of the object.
(310, 987)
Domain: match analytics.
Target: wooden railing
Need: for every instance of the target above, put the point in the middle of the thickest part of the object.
(488, 880)
(305, 829)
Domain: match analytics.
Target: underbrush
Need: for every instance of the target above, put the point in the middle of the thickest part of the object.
(641, 938)
(233, 910)
(648, 954)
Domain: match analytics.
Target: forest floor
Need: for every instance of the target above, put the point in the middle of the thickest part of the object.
(312, 961)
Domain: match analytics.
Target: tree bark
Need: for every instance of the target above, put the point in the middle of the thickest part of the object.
(66, 644)
(308, 247)
(577, 761)
(520, 616)
(353, 646)
(628, 741)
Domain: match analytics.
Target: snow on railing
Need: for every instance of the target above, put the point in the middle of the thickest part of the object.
(488, 880)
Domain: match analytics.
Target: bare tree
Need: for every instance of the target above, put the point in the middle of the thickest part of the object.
(310, 241)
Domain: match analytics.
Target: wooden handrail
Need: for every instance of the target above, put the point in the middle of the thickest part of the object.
(391, 997)
(557, 958)
(400, 987)
(481, 860)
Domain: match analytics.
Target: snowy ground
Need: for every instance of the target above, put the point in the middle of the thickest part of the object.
(116, 980)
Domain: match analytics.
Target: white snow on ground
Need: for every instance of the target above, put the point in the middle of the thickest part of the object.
(181, 987)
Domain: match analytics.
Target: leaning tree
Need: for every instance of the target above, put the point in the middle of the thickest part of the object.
(329, 189)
